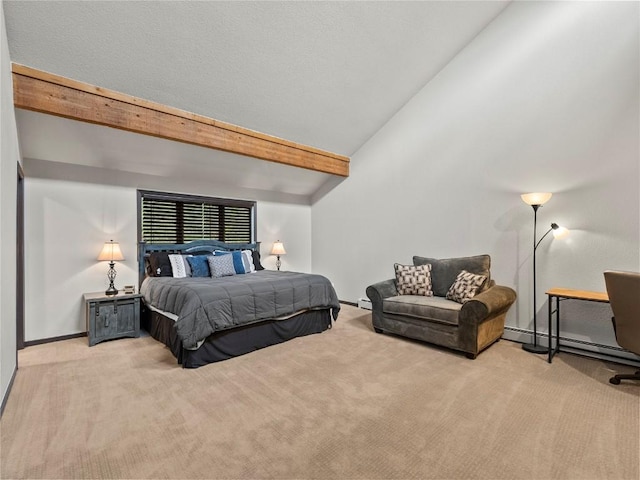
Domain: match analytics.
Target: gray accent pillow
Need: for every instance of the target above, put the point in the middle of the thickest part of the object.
(221, 265)
(444, 271)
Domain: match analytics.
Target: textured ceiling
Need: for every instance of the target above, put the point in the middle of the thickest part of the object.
(326, 74)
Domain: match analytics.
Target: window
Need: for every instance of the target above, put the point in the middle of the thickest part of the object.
(176, 218)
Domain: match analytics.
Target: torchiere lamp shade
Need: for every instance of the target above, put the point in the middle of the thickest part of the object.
(536, 198)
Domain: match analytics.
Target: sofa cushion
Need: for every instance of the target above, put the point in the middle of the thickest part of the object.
(433, 309)
(465, 287)
(444, 271)
(413, 280)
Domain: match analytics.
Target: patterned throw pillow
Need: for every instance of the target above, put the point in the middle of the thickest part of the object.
(180, 266)
(413, 280)
(199, 265)
(465, 286)
(240, 260)
(221, 266)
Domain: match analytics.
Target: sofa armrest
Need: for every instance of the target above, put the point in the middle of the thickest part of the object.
(488, 304)
(379, 291)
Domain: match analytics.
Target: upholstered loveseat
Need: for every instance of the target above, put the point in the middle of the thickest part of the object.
(468, 320)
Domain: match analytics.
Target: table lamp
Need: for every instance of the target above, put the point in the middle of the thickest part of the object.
(278, 249)
(111, 253)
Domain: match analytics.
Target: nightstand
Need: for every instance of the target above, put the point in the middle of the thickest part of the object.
(112, 316)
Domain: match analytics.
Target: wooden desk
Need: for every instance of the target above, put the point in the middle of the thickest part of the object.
(567, 294)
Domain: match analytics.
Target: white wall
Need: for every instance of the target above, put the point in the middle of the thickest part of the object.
(291, 224)
(72, 211)
(546, 98)
(9, 157)
(66, 224)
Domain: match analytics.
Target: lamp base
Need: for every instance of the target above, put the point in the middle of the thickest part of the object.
(534, 348)
(111, 275)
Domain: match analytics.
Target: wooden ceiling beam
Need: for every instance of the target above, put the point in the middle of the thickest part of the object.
(55, 95)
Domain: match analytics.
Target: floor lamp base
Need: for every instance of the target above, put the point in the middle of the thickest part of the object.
(534, 348)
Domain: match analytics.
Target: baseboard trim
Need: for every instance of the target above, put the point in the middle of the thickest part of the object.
(353, 304)
(6, 395)
(31, 343)
(576, 346)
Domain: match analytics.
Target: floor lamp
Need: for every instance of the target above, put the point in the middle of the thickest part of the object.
(536, 200)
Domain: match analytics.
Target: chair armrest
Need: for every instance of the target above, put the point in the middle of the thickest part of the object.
(488, 304)
(379, 291)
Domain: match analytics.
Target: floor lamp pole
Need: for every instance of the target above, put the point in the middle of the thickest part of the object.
(534, 347)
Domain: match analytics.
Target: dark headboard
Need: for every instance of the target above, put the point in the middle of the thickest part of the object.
(144, 249)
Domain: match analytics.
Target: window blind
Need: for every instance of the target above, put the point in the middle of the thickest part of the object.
(174, 218)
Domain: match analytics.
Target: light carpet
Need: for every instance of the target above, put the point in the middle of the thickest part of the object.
(347, 403)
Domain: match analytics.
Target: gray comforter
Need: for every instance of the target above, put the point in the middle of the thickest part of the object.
(206, 305)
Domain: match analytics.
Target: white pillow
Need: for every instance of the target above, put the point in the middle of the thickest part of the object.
(247, 260)
(180, 266)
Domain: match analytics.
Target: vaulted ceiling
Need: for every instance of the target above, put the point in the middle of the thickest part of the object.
(324, 74)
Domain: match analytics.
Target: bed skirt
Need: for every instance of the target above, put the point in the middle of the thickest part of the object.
(237, 341)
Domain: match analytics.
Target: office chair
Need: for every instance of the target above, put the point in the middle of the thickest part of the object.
(623, 289)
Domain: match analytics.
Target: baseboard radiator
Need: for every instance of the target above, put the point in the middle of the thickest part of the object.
(364, 303)
(573, 345)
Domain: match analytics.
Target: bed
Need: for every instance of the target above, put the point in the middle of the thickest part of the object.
(205, 319)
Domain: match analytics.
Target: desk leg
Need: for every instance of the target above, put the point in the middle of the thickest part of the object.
(550, 335)
(554, 349)
(557, 325)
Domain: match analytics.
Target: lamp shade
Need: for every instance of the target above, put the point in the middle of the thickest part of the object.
(536, 198)
(111, 252)
(278, 248)
(559, 232)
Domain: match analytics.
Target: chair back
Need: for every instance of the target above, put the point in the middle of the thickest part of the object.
(623, 289)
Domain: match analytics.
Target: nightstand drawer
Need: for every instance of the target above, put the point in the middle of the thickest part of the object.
(112, 317)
